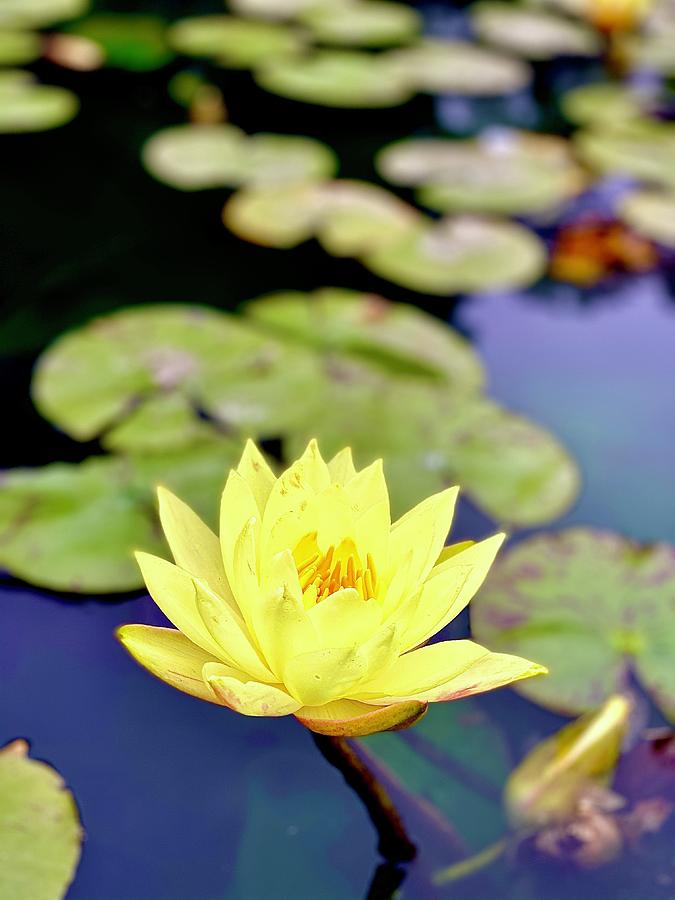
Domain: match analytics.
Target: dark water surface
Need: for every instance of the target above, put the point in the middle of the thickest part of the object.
(185, 801)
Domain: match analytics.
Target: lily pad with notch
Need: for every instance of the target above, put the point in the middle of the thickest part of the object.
(593, 606)
(40, 830)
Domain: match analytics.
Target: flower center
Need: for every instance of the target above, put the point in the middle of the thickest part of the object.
(321, 574)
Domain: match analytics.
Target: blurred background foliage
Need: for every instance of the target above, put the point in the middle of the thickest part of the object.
(503, 173)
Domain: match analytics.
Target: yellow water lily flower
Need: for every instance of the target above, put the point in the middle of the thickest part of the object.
(312, 603)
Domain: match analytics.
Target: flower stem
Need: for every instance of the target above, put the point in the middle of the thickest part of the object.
(394, 843)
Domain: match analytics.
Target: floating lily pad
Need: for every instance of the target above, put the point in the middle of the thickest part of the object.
(39, 13)
(196, 157)
(233, 42)
(397, 338)
(603, 102)
(92, 379)
(287, 158)
(532, 33)
(594, 607)
(26, 105)
(651, 213)
(438, 66)
(17, 48)
(641, 148)
(346, 78)
(278, 9)
(461, 255)
(503, 171)
(40, 831)
(358, 217)
(128, 41)
(275, 215)
(74, 527)
(362, 23)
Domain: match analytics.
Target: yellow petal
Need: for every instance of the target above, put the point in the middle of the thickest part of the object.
(250, 698)
(341, 467)
(230, 633)
(349, 718)
(423, 530)
(279, 617)
(368, 488)
(327, 515)
(453, 550)
(319, 676)
(344, 618)
(306, 477)
(449, 588)
(194, 546)
(244, 577)
(173, 591)
(257, 474)
(446, 671)
(237, 507)
(168, 655)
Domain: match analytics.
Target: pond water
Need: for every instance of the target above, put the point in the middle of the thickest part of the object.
(181, 800)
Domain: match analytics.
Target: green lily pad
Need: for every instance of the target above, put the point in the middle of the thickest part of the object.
(397, 338)
(40, 831)
(92, 379)
(233, 42)
(358, 217)
(128, 41)
(651, 213)
(196, 157)
(362, 23)
(74, 527)
(440, 66)
(287, 158)
(278, 9)
(503, 171)
(40, 13)
(641, 148)
(275, 215)
(533, 33)
(26, 105)
(461, 255)
(346, 78)
(605, 101)
(17, 48)
(591, 605)
(431, 438)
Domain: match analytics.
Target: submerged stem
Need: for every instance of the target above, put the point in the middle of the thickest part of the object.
(394, 843)
(472, 864)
